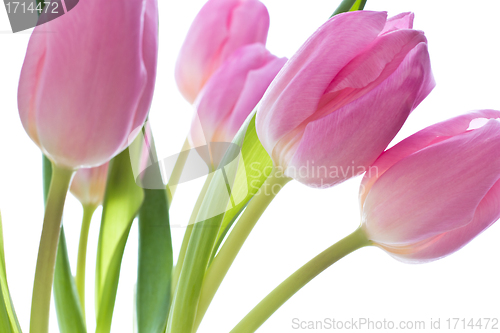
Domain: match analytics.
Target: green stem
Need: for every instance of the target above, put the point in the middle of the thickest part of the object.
(187, 234)
(360, 5)
(344, 6)
(44, 273)
(201, 243)
(272, 302)
(177, 172)
(242, 229)
(88, 211)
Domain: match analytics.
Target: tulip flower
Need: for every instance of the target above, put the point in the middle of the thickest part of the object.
(343, 96)
(80, 109)
(435, 191)
(232, 93)
(220, 28)
(423, 199)
(88, 185)
(86, 83)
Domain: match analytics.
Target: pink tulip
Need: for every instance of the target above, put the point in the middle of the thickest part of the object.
(232, 93)
(343, 96)
(88, 185)
(88, 81)
(435, 191)
(221, 27)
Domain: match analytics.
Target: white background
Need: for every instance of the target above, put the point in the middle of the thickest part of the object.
(301, 222)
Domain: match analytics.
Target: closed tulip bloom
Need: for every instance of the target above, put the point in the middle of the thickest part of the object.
(221, 27)
(435, 191)
(232, 93)
(343, 96)
(88, 185)
(88, 81)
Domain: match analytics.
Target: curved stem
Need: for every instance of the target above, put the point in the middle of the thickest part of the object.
(242, 229)
(177, 172)
(272, 302)
(187, 234)
(88, 211)
(44, 274)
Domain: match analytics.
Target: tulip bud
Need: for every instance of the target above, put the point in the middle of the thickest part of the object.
(88, 81)
(432, 193)
(343, 96)
(88, 185)
(232, 93)
(221, 27)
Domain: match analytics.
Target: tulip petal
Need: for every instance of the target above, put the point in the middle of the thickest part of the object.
(256, 84)
(487, 213)
(400, 21)
(432, 134)
(194, 59)
(88, 185)
(220, 28)
(329, 141)
(221, 93)
(298, 88)
(149, 57)
(249, 13)
(370, 69)
(434, 190)
(84, 123)
(29, 83)
(232, 93)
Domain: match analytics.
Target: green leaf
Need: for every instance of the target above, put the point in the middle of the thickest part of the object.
(8, 318)
(254, 168)
(154, 275)
(188, 289)
(69, 313)
(122, 201)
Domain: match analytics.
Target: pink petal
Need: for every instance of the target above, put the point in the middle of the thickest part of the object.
(435, 190)
(86, 106)
(348, 140)
(487, 213)
(29, 83)
(221, 27)
(298, 88)
(88, 185)
(256, 84)
(370, 69)
(249, 23)
(221, 93)
(432, 134)
(232, 93)
(400, 21)
(149, 57)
